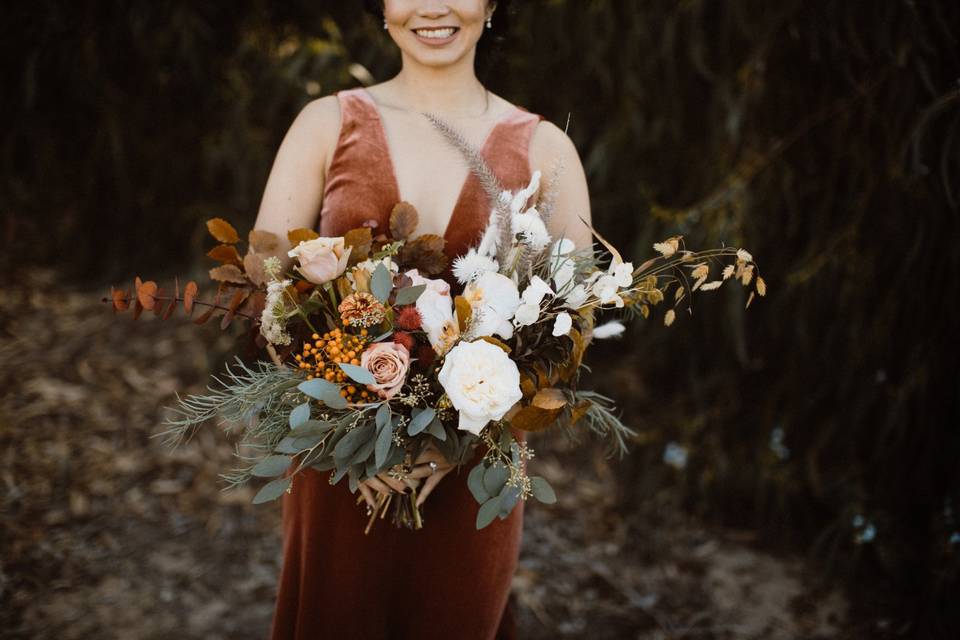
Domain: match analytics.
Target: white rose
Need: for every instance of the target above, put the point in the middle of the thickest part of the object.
(482, 382)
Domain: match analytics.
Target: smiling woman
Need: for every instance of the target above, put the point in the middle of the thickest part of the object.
(346, 162)
(489, 49)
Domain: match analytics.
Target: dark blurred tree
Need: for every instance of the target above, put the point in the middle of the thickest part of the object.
(823, 136)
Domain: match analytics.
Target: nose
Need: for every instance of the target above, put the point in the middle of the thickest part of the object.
(433, 9)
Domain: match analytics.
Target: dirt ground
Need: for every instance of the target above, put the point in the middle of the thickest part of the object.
(107, 533)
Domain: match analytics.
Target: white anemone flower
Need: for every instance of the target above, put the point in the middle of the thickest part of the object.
(437, 319)
(494, 299)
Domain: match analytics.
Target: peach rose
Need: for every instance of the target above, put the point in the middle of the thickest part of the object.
(321, 259)
(388, 362)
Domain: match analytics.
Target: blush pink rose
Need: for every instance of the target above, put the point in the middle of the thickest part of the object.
(388, 362)
(321, 259)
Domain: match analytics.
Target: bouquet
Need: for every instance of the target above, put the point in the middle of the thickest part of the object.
(374, 356)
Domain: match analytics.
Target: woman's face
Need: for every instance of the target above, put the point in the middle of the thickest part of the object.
(436, 33)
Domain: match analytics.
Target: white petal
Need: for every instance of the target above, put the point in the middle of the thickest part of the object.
(562, 325)
(609, 330)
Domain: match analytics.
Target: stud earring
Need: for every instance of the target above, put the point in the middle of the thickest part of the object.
(384, 23)
(489, 22)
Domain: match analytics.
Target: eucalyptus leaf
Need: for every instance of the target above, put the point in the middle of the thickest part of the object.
(318, 388)
(311, 427)
(272, 490)
(508, 500)
(475, 484)
(384, 440)
(334, 400)
(435, 428)
(361, 454)
(326, 464)
(339, 473)
(409, 295)
(353, 441)
(299, 415)
(381, 282)
(421, 420)
(494, 478)
(488, 511)
(271, 466)
(383, 415)
(358, 374)
(542, 490)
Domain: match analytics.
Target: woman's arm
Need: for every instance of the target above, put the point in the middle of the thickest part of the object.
(294, 192)
(548, 145)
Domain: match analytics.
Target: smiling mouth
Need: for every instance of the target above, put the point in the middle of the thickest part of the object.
(436, 33)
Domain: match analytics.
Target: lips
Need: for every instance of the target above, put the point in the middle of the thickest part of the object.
(436, 35)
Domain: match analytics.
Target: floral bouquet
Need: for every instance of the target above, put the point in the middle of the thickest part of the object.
(374, 357)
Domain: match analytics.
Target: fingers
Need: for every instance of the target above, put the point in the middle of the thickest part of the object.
(368, 495)
(431, 482)
(393, 483)
(424, 471)
(377, 485)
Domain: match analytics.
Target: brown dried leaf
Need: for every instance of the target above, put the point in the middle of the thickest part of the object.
(222, 231)
(576, 355)
(403, 220)
(158, 304)
(761, 286)
(145, 293)
(260, 241)
(206, 315)
(189, 293)
(227, 273)
(464, 312)
(544, 409)
(238, 296)
(170, 309)
(424, 253)
(137, 308)
(360, 240)
(579, 410)
(225, 253)
(121, 300)
(253, 265)
(549, 399)
(527, 386)
(296, 236)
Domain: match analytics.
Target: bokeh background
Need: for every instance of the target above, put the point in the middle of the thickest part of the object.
(795, 473)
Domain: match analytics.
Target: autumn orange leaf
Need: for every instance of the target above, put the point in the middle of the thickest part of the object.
(228, 273)
(296, 236)
(225, 253)
(222, 231)
(189, 293)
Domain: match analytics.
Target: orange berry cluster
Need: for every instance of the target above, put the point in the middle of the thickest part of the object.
(321, 356)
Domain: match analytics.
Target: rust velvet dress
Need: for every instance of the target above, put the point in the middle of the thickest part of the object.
(447, 580)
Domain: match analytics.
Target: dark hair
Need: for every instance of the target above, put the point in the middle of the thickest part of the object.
(490, 45)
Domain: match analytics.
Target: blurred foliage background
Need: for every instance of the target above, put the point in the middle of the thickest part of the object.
(822, 136)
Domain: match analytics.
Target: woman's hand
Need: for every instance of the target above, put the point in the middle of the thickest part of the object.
(422, 469)
(385, 484)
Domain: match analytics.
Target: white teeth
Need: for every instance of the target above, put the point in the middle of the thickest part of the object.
(434, 33)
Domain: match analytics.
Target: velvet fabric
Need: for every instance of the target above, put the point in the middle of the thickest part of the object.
(447, 580)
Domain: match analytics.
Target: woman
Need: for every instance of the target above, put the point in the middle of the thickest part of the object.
(346, 160)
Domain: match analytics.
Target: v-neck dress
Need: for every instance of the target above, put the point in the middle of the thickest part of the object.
(446, 580)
